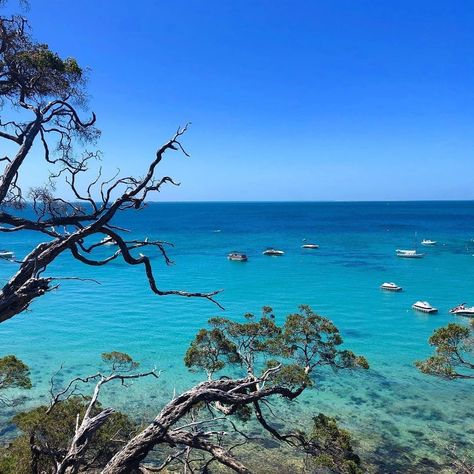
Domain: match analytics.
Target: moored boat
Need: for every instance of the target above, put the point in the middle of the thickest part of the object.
(237, 257)
(310, 246)
(390, 286)
(108, 241)
(273, 252)
(428, 242)
(462, 310)
(408, 253)
(6, 254)
(424, 307)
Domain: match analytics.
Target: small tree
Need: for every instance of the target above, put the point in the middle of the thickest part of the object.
(13, 374)
(331, 447)
(47, 433)
(454, 353)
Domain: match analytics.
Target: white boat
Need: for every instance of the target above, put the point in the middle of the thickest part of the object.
(273, 252)
(462, 310)
(424, 307)
(108, 241)
(428, 242)
(390, 286)
(310, 246)
(237, 257)
(408, 253)
(6, 254)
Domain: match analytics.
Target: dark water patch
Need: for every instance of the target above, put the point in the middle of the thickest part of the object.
(8, 430)
(358, 400)
(426, 465)
(353, 333)
(391, 461)
(278, 426)
(436, 415)
(9, 414)
(374, 395)
(360, 264)
(270, 444)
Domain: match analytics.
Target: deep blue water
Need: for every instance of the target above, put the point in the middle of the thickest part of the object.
(391, 408)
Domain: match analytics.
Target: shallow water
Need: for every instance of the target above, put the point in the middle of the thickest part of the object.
(396, 413)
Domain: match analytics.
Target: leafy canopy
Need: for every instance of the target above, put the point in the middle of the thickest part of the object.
(331, 446)
(30, 70)
(304, 342)
(14, 373)
(454, 353)
(119, 361)
(55, 430)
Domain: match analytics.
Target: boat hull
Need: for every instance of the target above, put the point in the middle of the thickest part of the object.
(417, 255)
(463, 313)
(237, 257)
(425, 310)
(386, 288)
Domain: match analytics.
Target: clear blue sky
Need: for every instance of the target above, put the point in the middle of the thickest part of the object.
(289, 100)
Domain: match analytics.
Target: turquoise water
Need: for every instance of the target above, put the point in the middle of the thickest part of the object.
(401, 419)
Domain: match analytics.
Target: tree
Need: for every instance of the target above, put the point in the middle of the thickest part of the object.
(331, 446)
(44, 94)
(454, 353)
(46, 435)
(13, 374)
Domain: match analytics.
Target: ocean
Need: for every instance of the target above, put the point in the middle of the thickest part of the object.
(401, 420)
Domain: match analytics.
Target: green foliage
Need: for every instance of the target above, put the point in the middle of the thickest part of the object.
(304, 342)
(454, 353)
(243, 413)
(331, 447)
(210, 351)
(55, 430)
(231, 343)
(119, 361)
(14, 373)
(30, 70)
(314, 341)
(289, 375)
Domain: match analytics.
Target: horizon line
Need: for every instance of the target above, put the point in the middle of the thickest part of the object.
(310, 201)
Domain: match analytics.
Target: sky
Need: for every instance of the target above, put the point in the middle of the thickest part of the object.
(289, 100)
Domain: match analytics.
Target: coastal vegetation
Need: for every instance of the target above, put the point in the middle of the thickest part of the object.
(454, 353)
(248, 364)
(14, 374)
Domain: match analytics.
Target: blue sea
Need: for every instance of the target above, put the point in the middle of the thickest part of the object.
(401, 420)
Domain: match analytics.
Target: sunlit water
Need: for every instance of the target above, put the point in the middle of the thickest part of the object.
(401, 419)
